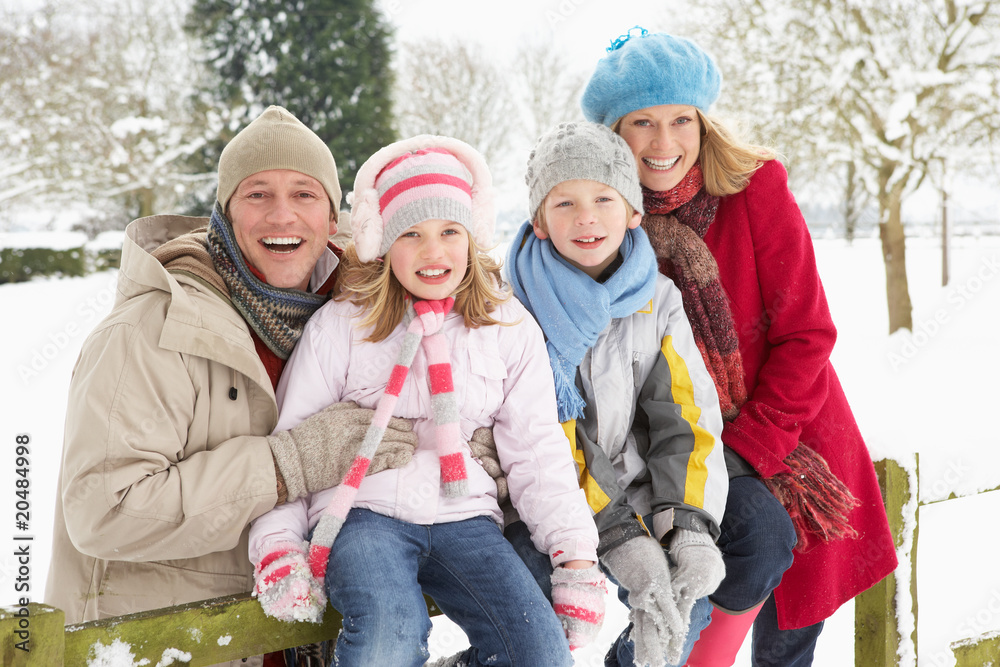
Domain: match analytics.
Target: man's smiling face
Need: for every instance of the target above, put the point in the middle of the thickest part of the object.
(282, 220)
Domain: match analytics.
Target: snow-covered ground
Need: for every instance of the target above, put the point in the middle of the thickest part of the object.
(930, 391)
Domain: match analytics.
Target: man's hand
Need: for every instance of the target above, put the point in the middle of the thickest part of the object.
(484, 450)
(316, 454)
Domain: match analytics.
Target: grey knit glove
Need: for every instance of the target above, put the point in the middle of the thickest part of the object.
(316, 454)
(699, 568)
(659, 630)
(484, 450)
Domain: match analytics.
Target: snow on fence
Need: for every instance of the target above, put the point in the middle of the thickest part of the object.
(199, 633)
(232, 627)
(885, 616)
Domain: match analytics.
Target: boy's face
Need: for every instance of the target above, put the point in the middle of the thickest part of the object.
(586, 222)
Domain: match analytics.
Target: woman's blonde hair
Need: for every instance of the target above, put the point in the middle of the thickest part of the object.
(727, 160)
(373, 286)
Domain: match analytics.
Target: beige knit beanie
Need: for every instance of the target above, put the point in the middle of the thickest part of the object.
(277, 140)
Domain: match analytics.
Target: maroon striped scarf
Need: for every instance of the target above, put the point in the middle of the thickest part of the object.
(676, 222)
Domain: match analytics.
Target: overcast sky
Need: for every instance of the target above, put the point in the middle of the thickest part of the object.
(584, 27)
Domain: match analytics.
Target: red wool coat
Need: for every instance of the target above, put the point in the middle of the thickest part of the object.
(768, 269)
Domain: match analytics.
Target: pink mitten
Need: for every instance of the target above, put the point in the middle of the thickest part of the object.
(285, 587)
(578, 598)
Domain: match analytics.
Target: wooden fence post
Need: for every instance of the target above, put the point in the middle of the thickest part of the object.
(31, 635)
(877, 633)
(977, 651)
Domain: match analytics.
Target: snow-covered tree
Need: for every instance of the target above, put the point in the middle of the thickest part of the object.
(547, 86)
(453, 88)
(326, 61)
(95, 100)
(883, 90)
(498, 103)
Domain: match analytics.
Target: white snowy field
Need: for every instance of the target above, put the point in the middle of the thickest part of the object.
(930, 391)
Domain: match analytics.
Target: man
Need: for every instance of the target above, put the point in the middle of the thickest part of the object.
(168, 451)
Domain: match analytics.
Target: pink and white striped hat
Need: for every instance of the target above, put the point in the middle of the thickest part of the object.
(419, 179)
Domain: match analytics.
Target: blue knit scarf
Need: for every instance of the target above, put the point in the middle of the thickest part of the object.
(277, 314)
(571, 307)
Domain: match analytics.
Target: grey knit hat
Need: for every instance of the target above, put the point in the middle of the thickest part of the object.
(277, 140)
(586, 151)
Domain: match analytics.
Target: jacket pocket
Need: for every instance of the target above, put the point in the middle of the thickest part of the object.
(642, 364)
(484, 390)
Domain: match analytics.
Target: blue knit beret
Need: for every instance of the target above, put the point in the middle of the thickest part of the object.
(648, 70)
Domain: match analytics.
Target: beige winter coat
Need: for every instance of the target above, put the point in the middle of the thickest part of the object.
(162, 470)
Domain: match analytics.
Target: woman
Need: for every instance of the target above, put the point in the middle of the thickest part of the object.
(727, 230)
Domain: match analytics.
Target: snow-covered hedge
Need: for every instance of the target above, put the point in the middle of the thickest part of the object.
(27, 255)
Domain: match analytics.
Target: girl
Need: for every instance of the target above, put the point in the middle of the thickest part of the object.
(420, 330)
(727, 230)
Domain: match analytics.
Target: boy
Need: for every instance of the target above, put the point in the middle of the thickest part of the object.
(635, 398)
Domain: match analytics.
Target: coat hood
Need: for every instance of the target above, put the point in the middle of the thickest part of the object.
(189, 327)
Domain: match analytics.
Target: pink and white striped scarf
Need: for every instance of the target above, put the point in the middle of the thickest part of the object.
(423, 330)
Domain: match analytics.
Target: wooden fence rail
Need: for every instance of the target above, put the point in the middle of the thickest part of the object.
(230, 628)
(200, 633)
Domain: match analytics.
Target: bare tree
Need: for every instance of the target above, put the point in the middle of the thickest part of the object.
(855, 200)
(499, 104)
(887, 87)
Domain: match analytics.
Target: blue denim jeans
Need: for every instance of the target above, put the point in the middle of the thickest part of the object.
(782, 648)
(756, 543)
(380, 568)
(622, 651)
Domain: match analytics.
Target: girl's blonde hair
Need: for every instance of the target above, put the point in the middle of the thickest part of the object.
(373, 286)
(727, 160)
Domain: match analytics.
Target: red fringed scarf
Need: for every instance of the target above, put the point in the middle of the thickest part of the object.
(676, 222)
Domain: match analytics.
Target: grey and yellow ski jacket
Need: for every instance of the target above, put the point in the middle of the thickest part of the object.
(649, 444)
